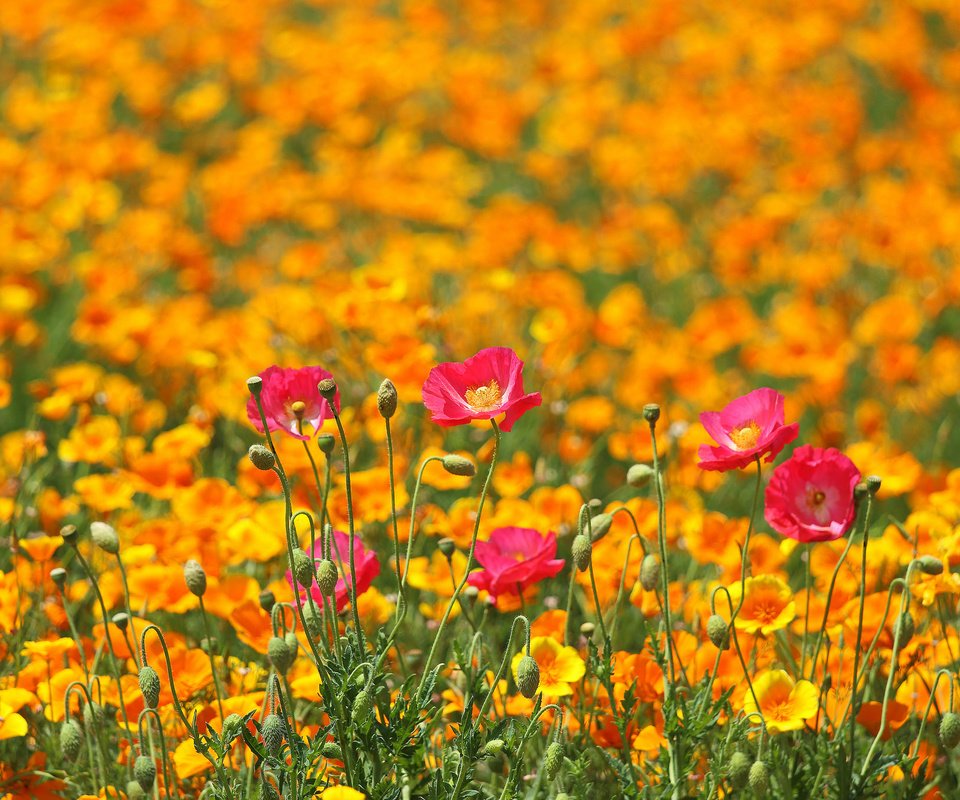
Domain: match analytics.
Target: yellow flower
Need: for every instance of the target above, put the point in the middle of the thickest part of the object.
(341, 793)
(784, 704)
(768, 605)
(559, 666)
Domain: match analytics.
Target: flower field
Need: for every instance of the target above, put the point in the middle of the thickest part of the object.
(479, 400)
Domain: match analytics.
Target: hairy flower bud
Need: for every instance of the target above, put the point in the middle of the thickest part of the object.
(639, 475)
(738, 770)
(650, 572)
(600, 526)
(328, 390)
(312, 619)
(327, 577)
(552, 760)
(930, 565)
(387, 399)
(149, 685)
(93, 716)
(651, 412)
(105, 537)
(459, 465)
(332, 750)
(494, 747)
(134, 792)
(528, 676)
(581, 551)
(362, 707)
(71, 739)
(272, 730)
(145, 772)
(759, 778)
(950, 730)
(904, 628)
(195, 577)
(303, 567)
(261, 457)
(718, 632)
(279, 654)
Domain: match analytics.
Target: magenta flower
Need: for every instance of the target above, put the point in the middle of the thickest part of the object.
(750, 427)
(287, 393)
(810, 496)
(482, 387)
(366, 562)
(513, 559)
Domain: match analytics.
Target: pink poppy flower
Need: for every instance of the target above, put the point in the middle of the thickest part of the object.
(750, 427)
(482, 387)
(810, 496)
(282, 390)
(513, 559)
(366, 562)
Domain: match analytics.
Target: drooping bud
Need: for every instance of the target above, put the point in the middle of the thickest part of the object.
(332, 750)
(71, 739)
(650, 572)
(261, 457)
(447, 546)
(458, 465)
(70, 534)
(494, 747)
(279, 654)
(904, 628)
(93, 716)
(312, 620)
(149, 685)
(255, 385)
(328, 390)
(930, 565)
(717, 632)
(639, 475)
(651, 412)
(950, 730)
(738, 770)
(387, 399)
(581, 551)
(528, 676)
(327, 577)
(759, 778)
(302, 567)
(272, 730)
(134, 792)
(873, 483)
(267, 600)
(600, 526)
(326, 442)
(145, 772)
(552, 760)
(59, 576)
(195, 577)
(362, 707)
(292, 644)
(105, 537)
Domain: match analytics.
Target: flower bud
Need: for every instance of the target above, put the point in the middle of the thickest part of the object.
(332, 750)
(145, 772)
(195, 577)
(930, 565)
(759, 778)
(93, 716)
(69, 534)
(292, 644)
(387, 399)
(552, 760)
(562, 796)
(494, 747)
(950, 730)
(328, 390)
(873, 483)
(272, 731)
(650, 572)
(717, 632)
(267, 600)
(121, 620)
(528, 676)
(59, 576)
(267, 790)
(71, 739)
(458, 465)
(362, 707)
(279, 654)
(651, 412)
(105, 537)
(261, 457)
(581, 550)
(326, 442)
(149, 685)
(327, 577)
(639, 475)
(134, 792)
(303, 567)
(231, 726)
(904, 628)
(312, 620)
(447, 546)
(255, 385)
(599, 526)
(738, 770)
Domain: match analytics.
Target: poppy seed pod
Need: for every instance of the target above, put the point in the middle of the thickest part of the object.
(873, 483)
(267, 600)
(552, 760)
(738, 770)
(447, 546)
(458, 465)
(59, 576)
(581, 551)
(327, 577)
(950, 730)
(717, 632)
(69, 534)
(651, 412)
(272, 731)
(195, 577)
(587, 629)
(328, 390)
(387, 399)
(639, 475)
(600, 526)
(145, 772)
(279, 654)
(528, 676)
(261, 457)
(759, 778)
(71, 739)
(105, 537)
(149, 685)
(930, 565)
(303, 567)
(326, 442)
(255, 385)
(650, 572)
(121, 620)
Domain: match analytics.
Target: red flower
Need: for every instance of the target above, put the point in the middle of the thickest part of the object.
(513, 559)
(366, 562)
(287, 392)
(482, 387)
(748, 428)
(810, 496)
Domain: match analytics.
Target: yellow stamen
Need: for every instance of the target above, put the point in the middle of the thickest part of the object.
(298, 407)
(745, 437)
(484, 398)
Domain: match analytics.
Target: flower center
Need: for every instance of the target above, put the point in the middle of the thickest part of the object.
(815, 497)
(484, 398)
(745, 437)
(298, 407)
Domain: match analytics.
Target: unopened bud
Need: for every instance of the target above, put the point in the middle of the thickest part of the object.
(738, 770)
(930, 565)
(71, 739)
(387, 399)
(447, 546)
(105, 537)
(759, 778)
(581, 550)
(303, 567)
(255, 385)
(134, 792)
(312, 620)
(717, 632)
(332, 750)
(650, 572)
(195, 577)
(327, 577)
(326, 442)
(639, 475)
(328, 390)
(552, 760)
(494, 747)
(272, 731)
(651, 412)
(362, 707)
(145, 772)
(267, 600)
(149, 685)
(261, 457)
(950, 730)
(600, 526)
(904, 628)
(93, 716)
(528, 676)
(279, 654)
(458, 465)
